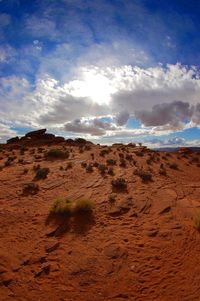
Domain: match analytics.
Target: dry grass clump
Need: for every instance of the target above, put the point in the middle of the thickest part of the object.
(146, 176)
(122, 163)
(61, 207)
(55, 153)
(66, 207)
(173, 166)
(119, 184)
(30, 188)
(102, 169)
(89, 168)
(112, 198)
(83, 205)
(162, 171)
(104, 152)
(83, 164)
(69, 166)
(111, 171)
(196, 221)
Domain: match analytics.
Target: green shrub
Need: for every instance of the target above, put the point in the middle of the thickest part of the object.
(61, 206)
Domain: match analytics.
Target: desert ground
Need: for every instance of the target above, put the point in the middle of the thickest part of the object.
(138, 238)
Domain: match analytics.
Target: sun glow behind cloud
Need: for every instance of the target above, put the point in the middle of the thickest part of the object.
(92, 84)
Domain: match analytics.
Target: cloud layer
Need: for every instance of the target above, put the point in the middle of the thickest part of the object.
(161, 99)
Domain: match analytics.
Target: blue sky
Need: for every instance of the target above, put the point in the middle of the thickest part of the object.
(104, 70)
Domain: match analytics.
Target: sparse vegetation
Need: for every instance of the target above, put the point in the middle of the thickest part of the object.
(69, 165)
(61, 207)
(122, 163)
(173, 166)
(89, 168)
(104, 152)
(55, 153)
(146, 176)
(25, 171)
(83, 205)
(112, 198)
(41, 173)
(83, 164)
(30, 188)
(119, 184)
(102, 169)
(111, 171)
(196, 221)
(111, 162)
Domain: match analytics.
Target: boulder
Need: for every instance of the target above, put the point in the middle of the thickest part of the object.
(36, 133)
(13, 140)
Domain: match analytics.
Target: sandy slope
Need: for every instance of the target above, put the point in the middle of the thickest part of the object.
(143, 247)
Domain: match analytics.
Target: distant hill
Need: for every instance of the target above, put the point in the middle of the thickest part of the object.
(175, 149)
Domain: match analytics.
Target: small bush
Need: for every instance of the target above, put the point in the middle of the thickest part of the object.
(162, 172)
(139, 154)
(30, 188)
(112, 198)
(173, 166)
(56, 154)
(121, 155)
(83, 164)
(61, 206)
(129, 157)
(122, 163)
(196, 221)
(69, 165)
(102, 169)
(42, 173)
(104, 152)
(111, 171)
(25, 171)
(111, 162)
(83, 205)
(7, 162)
(36, 167)
(119, 184)
(96, 164)
(146, 176)
(89, 168)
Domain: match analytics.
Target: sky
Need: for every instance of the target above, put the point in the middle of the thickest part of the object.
(106, 70)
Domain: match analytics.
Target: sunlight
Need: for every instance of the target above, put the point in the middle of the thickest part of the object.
(93, 85)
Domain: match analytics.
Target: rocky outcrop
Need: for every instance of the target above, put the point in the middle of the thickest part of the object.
(37, 133)
(13, 140)
(40, 137)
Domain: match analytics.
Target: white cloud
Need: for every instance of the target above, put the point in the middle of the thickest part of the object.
(6, 132)
(169, 95)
